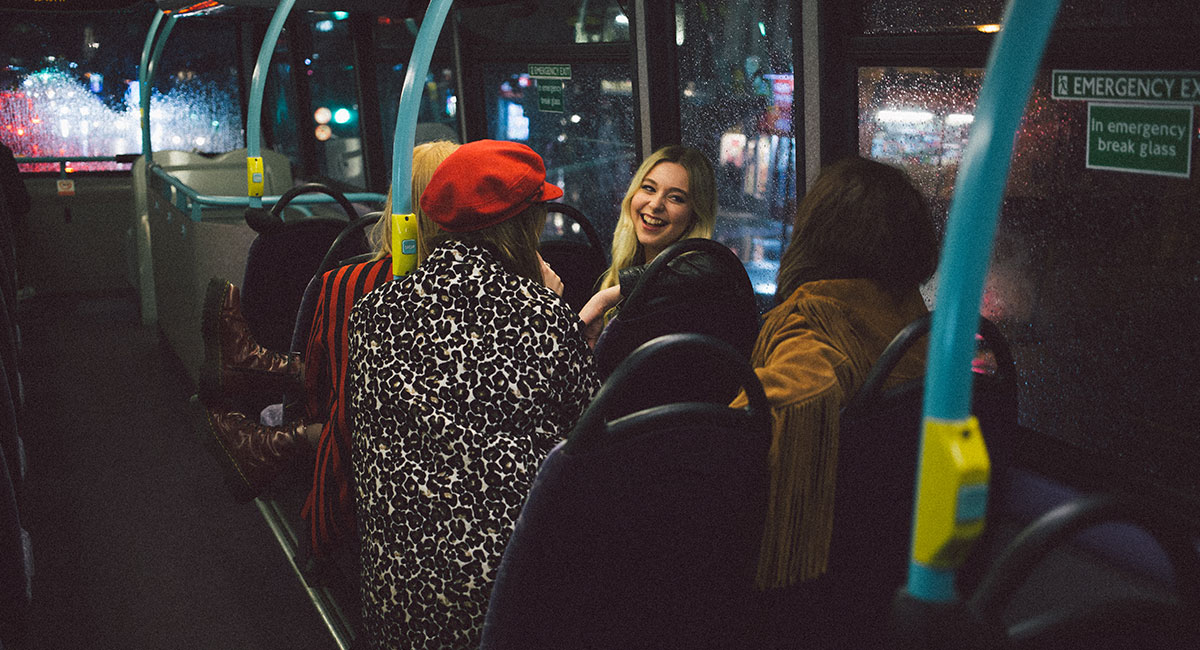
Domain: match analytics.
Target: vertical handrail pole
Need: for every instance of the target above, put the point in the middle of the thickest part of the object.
(144, 83)
(950, 433)
(400, 211)
(156, 56)
(255, 174)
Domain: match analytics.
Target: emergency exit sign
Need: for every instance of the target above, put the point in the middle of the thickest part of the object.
(550, 77)
(549, 71)
(1140, 138)
(1177, 87)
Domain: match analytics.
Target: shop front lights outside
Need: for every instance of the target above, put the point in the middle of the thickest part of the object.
(342, 116)
(903, 116)
(323, 132)
(322, 115)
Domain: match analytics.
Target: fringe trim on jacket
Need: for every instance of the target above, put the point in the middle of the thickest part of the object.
(804, 452)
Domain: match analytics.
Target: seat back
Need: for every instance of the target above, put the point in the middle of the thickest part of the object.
(8, 257)
(878, 445)
(10, 353)
(1132, 622)
(350, 244)
(15, 564)
(695, 285)
(281, 260)
(579, 264)
(642, 529)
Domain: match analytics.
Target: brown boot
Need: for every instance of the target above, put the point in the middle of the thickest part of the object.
(251, 455)
(235, 365)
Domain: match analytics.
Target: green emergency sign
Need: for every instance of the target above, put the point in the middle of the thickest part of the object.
(1140, 139)
(1180, 87)
(550, 95)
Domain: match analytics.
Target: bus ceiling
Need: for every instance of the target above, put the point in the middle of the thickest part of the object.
(79, 6)
(183, 7)
(186, 7)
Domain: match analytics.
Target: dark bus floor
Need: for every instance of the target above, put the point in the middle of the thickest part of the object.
(136, 543)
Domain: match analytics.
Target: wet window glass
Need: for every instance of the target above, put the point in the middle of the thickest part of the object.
(1094, 278)
(582, 127)
(335, 108)
(924, 16)
(68, 87)
(736, 97)
(555, 23)
(280, 104)
(437, 114)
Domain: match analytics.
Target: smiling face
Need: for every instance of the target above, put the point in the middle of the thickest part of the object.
(661, 208)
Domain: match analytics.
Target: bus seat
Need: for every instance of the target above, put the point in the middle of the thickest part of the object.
(281, 260)
(719, 303)
(215, 175)
(642, 529)
(1136, 622)
(10, 355)
(351, 243)
(16, 565)
(8, 258)
(878, 446)
(10, 437)
(578, 264)
(224, 174)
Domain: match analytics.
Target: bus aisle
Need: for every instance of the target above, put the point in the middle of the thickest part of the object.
(136, 542)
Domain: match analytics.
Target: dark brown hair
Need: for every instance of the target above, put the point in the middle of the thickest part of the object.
(861, 219)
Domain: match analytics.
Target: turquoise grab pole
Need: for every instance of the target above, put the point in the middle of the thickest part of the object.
(406, 124)
(144, 75)
(156, 57)
(254, 167)
(971, 225)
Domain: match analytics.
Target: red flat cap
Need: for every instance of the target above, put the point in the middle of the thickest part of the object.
(485, 182)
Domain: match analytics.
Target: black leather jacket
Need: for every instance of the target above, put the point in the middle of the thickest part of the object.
(698, 291)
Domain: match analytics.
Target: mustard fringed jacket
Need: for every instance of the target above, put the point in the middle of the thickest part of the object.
(812, 355)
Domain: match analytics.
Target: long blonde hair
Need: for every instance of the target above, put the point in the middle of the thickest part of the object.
(702, 190)
(426, 157)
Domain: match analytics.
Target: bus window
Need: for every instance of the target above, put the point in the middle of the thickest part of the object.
(70, 87)
(335, 111)
(581, 122)
(587, 142)
(1093, 274)
(437, 115)
(283, 115)
(736, 96)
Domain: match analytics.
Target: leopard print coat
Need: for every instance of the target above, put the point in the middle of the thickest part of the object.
(463, 377)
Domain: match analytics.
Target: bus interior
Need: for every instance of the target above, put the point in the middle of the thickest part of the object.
(130, 121)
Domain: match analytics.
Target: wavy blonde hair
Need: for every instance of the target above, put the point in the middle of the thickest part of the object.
(426, 157)
(702, 191)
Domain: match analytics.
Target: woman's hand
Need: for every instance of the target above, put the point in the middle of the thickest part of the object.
(550, 278)
(593, 312)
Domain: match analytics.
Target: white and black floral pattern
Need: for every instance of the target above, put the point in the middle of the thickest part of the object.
(462, 378)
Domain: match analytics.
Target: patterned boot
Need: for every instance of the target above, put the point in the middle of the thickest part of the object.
(235, 365)
(251, 455)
